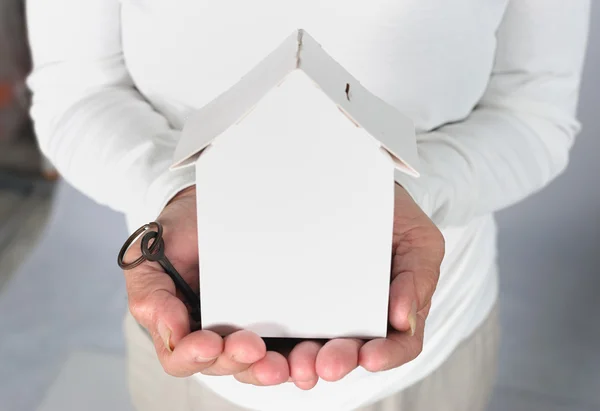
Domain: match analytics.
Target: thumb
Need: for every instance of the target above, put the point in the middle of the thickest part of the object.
(415, 273)
(153, 303)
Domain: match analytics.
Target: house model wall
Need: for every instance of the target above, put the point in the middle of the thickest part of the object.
(295, 181)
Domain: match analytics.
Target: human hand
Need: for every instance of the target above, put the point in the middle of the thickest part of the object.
(418, 248)
(417, 253)
(154, 303)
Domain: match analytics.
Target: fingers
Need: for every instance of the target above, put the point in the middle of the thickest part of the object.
(397, 349)
(337, 358)
(302, 360)
(166, 318)
(154, 306)
(403, 304)
(415, 273)
(420, 252)
(272, 369)
(194, 353)
(306, 363)
(207, 353)
(241, 350)
(181, 354)
(153, 302)
(159, 311)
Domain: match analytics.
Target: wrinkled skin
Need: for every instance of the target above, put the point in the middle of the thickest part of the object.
(418, 250)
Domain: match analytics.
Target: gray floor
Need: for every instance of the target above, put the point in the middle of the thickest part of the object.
(72, 266)
(25, 204)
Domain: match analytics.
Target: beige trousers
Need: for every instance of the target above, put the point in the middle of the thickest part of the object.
(462, 383)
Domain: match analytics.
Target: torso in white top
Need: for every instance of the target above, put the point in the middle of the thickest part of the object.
(491, 86)
(182, 54)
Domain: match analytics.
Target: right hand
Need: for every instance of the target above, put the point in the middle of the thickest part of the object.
(153, 302)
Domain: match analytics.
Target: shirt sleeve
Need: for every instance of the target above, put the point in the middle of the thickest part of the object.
(518, 137)
(91, 122)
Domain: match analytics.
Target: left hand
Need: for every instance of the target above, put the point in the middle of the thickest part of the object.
(417, 253)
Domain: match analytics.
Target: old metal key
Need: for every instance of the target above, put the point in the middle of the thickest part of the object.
(153, 249)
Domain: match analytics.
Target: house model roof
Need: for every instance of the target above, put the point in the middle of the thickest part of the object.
(392, 130)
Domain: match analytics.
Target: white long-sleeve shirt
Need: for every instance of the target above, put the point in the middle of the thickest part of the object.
(492, 86)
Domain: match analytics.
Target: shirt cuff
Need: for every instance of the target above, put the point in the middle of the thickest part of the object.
(415, 187)
(160, 192)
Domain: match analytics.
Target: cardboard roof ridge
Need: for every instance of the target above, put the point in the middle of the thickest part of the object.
(300, 51)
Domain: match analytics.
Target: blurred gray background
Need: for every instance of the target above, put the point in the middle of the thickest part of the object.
(55, 358)
(550, 276)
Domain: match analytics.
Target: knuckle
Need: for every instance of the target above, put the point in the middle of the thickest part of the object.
(141, 310)
(425, 294)
(145, 310)
(214, 371)
(430, 285)
(441, 241)
(438, 242)
(243, 378)
(416, 348)
(170, 369)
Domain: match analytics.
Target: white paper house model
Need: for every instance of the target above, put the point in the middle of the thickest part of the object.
(295, 180)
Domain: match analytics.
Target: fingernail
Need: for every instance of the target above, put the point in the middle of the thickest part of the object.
(412, 318)
(165, 335)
